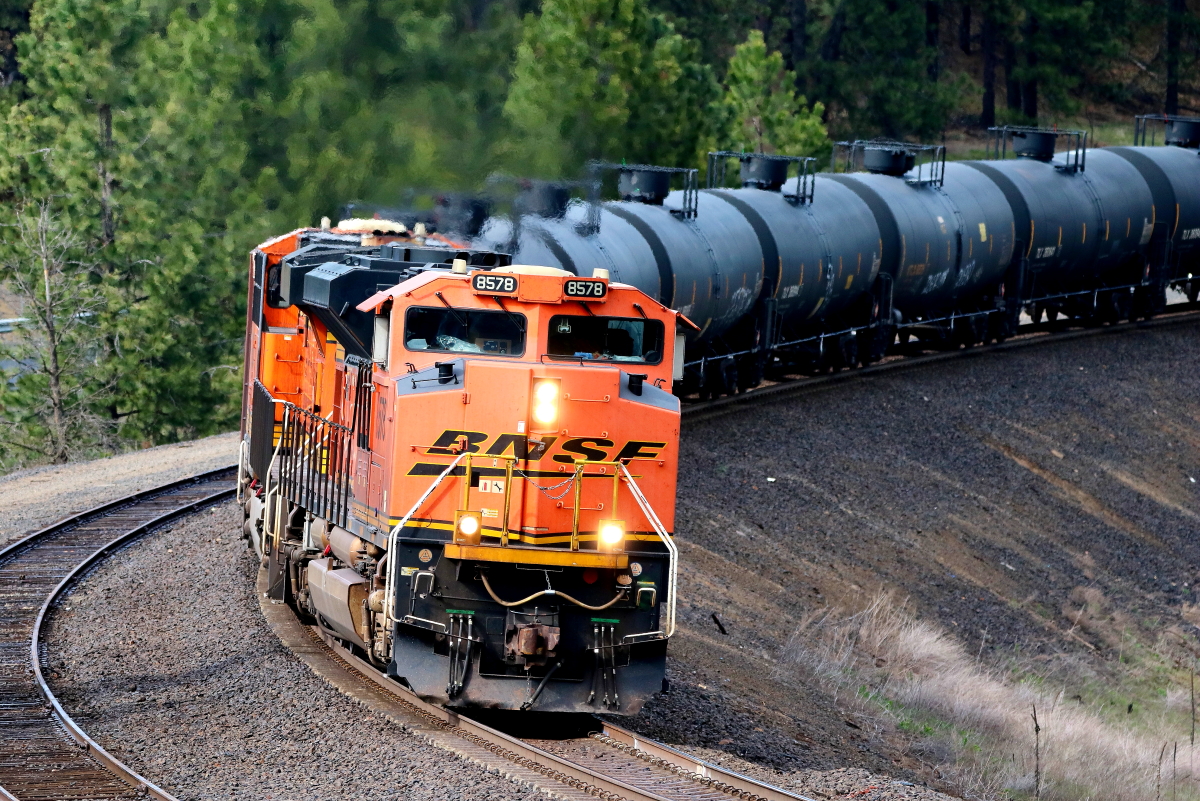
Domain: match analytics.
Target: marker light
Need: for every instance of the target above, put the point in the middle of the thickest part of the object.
(467, 527)
(545, 396)
(611, 534)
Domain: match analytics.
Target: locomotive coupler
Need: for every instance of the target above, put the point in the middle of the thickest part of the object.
(530, 639)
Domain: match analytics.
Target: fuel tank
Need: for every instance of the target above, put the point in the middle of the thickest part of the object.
(1173, 176)
(819, 256)
(1057, 220)
(940, 243)
(1127, 212)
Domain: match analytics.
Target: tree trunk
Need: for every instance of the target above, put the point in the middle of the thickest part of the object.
(964, 30)
(799, 18)
(1012, 87)
(987, 115)
(1029, 89)
(831, 47)
(1176, 10)
(108, 226)
(933, 14)
(58, 424)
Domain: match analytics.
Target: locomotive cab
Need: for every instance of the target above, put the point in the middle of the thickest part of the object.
(537, 436)
(468, 476)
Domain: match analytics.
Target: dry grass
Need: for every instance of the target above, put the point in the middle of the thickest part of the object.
(978, 727)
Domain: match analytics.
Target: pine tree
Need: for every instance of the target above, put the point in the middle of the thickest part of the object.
(49, 392)
(873, 71)
(762, 110)
(134, 126)
(605, 79)
(388, 94)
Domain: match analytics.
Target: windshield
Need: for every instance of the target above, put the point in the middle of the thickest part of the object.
(616, 339)
(465, 331)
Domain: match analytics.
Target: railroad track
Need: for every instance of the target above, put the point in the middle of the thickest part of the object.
(610, 764)
(44, 754)
(1028, 335)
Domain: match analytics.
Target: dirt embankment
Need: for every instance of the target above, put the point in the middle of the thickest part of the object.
(1040, 504)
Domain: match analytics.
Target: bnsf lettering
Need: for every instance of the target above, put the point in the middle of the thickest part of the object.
(584, 448)
(636, 449)
(448, 444)
(585, 289)
(451, 442)
(521, 447)
(486, 282)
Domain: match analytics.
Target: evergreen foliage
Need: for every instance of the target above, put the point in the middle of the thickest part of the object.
(761, 108)
(604, 79)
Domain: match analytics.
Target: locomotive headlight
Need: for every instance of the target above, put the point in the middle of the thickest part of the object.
(545, 397)
(467, 527)
(545, 412)
(612, 532)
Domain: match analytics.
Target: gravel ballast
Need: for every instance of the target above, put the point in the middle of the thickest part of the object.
(34, 498)
(163, 657)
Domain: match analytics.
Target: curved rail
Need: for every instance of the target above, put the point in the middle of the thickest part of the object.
(1029, 335)
(44, 753)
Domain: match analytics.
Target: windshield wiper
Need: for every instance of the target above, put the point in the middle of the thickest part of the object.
(461, 320)
(517, 319)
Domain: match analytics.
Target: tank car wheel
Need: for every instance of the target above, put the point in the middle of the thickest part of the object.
(1123, 308)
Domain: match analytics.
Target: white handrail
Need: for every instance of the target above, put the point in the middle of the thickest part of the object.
(394, 535)
(242, 459)
(267, 478)
(673, 557)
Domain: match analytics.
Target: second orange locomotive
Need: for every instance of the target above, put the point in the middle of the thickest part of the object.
(465, 469)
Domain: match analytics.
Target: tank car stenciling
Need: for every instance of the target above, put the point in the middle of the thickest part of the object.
(465, 469)
(826, 271)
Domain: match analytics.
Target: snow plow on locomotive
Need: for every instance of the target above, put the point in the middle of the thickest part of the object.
(465, 469)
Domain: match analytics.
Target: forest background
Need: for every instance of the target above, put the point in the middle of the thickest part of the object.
(147, 145)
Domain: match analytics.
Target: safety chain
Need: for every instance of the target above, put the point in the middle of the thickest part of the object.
(547, 490)
(495, 748)
(659, 762)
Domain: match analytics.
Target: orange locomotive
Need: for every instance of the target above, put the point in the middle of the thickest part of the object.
(465, 469)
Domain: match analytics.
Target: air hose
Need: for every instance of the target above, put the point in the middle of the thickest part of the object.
(540, 593)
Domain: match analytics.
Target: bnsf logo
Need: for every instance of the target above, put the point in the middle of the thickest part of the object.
(594, 449)
(486, 282)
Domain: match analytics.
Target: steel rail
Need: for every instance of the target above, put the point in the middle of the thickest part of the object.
(1030, 336)
(91, 772)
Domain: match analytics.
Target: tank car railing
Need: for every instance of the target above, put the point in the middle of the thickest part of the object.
(315, 468)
